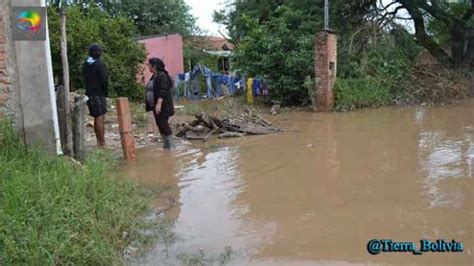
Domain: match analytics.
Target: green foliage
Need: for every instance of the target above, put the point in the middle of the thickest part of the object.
(155, 16)
(194, 54)
(374, 70)
(275, 52)
(55, 212)
(122, 55)
(405, 44)
(275, 41)
(441, 28)
(359, 93)
(200, 258)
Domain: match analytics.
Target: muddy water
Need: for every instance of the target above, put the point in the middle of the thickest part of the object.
(317, 197)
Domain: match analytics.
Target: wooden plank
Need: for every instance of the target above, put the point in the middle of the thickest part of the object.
(196, 135)
(231, 135)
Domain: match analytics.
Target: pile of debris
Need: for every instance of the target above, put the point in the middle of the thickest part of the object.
(206, 126)
(436, 84)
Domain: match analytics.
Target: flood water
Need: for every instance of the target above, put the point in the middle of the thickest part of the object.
(318, 196)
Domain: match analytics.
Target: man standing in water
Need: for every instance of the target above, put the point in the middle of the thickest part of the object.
(96, 81)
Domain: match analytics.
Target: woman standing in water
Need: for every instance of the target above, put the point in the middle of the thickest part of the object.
(159, 100)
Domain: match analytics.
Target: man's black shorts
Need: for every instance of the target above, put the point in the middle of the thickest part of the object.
(97, 105)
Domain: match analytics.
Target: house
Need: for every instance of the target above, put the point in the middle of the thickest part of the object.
(168, 48)
(215, 47)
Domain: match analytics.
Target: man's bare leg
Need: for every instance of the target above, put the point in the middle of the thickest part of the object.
(99, 128)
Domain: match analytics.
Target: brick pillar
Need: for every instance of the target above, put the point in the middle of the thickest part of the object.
(325, 68)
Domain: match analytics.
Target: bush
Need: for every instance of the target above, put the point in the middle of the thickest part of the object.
(274, 52)
(373, 73)
(122, 55)
(359, 93)
(55, 212)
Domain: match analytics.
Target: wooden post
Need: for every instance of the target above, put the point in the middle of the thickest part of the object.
(62, 117)
(125, 128)
(68, 148)
(78, 128)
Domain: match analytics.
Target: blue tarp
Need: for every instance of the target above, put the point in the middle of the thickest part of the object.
(234, 84)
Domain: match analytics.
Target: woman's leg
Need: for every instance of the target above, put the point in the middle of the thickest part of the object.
(163, 125)
(165, 131)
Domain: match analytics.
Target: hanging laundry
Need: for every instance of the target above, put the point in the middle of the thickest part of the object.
(250, 91)
(265, 89)
(207, 73)
(233, 83)
(238, 84)
(226, 80)
(257, 87)
(242, 84)
(196, 70)
(187, 77)
(179, 78)
(196, 89)
(218, 80)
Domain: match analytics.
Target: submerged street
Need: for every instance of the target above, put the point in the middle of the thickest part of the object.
(319, 196)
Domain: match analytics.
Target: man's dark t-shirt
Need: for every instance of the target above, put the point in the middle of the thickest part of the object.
(95, 77)
(97, 83)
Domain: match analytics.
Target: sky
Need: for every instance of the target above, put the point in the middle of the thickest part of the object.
(203, 11)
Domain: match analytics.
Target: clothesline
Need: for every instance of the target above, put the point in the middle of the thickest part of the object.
(258, 87)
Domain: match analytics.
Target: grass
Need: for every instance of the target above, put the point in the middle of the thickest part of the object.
(138, 113)
(361, 93)
(53, 211)
(192, 109)
(200, 259)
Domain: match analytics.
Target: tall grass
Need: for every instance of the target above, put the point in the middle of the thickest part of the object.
(360, 93)
(53, 211)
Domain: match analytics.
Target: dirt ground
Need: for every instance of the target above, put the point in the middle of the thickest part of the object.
(144, 128)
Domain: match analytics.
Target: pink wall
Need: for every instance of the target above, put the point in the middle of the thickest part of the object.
(168, 48)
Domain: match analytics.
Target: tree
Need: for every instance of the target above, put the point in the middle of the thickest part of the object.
(453, 19)
(274, 39)
(122, 55)
(154, 16)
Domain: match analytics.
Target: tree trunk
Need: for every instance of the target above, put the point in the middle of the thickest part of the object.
(459, 44)
(466, 46)
(462, 35)
(422, 37)
(68, 150)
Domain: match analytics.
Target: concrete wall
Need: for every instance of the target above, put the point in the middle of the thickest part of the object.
(26, 80)
(168, 48)
(9, 91)
(325, 68)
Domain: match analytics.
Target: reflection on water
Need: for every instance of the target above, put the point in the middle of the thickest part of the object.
(445, 161)
(319, 196)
